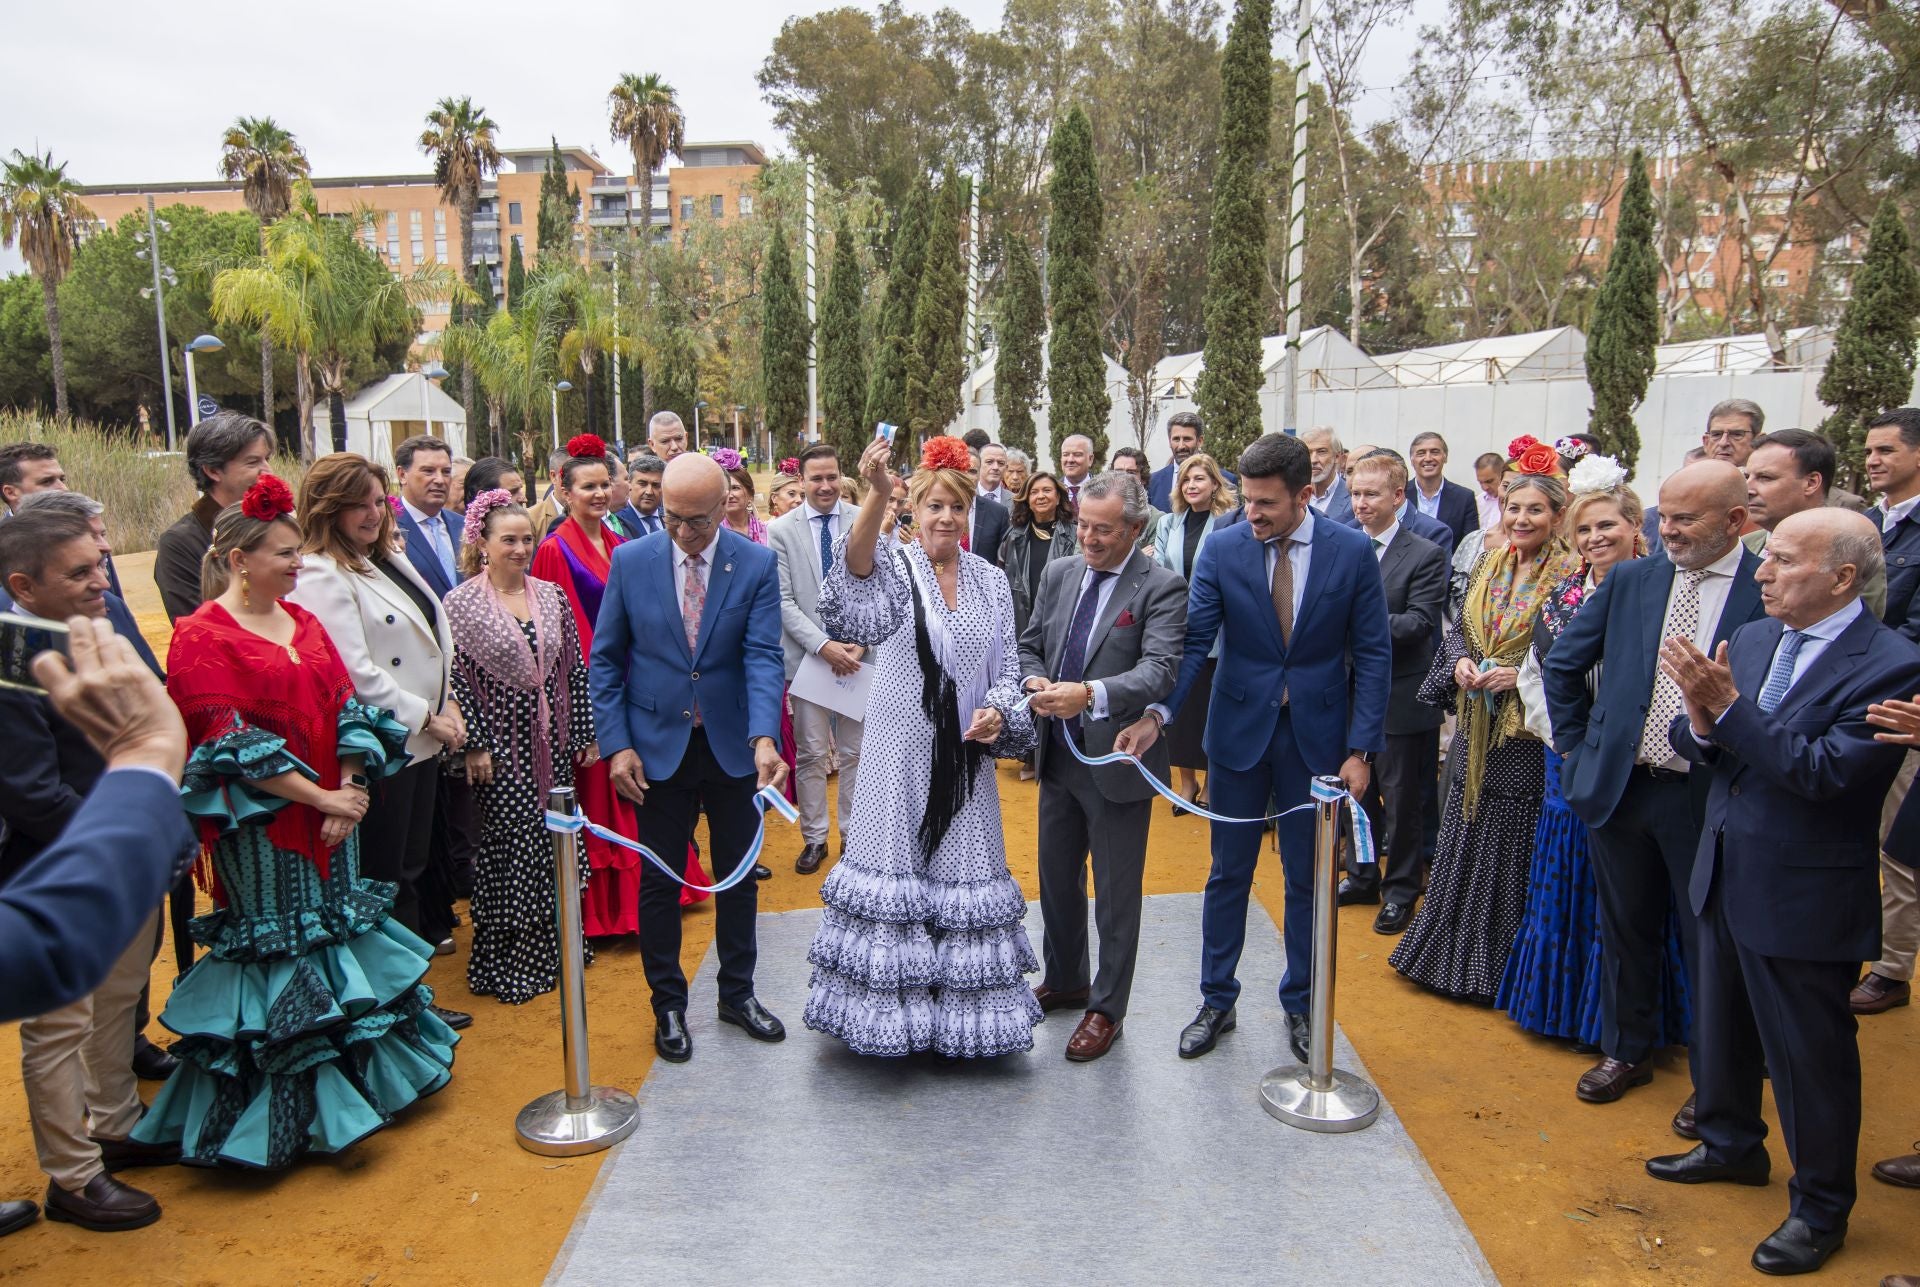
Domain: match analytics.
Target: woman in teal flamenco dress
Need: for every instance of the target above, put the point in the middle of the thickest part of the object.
(305, 1026)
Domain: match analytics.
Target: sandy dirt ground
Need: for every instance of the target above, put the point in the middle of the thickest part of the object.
(1552, 1188)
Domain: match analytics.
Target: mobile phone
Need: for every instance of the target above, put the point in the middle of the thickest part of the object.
(22, 638)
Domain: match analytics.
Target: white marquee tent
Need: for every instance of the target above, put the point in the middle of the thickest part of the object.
(388, 412)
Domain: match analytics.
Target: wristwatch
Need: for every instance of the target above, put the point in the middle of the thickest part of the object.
(1365, 757)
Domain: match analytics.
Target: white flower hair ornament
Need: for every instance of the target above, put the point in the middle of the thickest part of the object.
(1595, 474)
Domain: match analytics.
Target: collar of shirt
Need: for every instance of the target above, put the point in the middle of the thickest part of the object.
(1302, 534)
(681, 558)
(1400, 515)
(1828, 628)
(1429, 505)
(1728, 564)
(425, 520)
(1386, 538)
(1896, 514)
(813, 513)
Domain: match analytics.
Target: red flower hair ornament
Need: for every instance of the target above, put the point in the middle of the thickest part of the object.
(587, 446)
(1518, 447)
(945, 453)
(267, 499)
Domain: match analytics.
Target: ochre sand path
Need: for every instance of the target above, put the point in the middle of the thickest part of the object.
(1552, 1189)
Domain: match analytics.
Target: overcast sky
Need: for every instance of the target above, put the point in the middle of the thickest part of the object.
(142, 92)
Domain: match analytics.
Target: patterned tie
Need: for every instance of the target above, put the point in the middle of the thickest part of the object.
(826, 544)
(1073, 661)
(1683, 621)
(1780, 678)
(1283, 589)
(693, 598)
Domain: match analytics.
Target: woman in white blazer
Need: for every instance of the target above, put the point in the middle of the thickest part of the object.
(393, 636)
(1202, 498)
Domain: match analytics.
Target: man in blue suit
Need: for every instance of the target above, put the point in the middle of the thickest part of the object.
(1300, 689)
(1785, 883)
(686, 676)
(1433, 495)
(425, 467)
(1620, 777)
(1185, 436)
(640, 516)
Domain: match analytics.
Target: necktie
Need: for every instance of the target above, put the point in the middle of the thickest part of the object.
(442, 543)
(826, 544)
(1780, 678)
(1378, 545)
(693, 598)
(1683, 620)
(1283, 589)
(1073, 660)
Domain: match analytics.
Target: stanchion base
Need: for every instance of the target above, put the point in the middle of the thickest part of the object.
(1350, 1104)
(547, 1127)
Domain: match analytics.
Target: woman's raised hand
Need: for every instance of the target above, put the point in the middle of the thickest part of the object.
(876, 467)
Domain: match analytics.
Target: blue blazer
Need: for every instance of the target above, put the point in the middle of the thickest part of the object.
(645, 681)
(425, 561)
(1337, 674)
(1903, 571)
(634, 525)
(1620, 625)
(1160, 485)
(67, 915)
(1340, 503)
(1793, 813)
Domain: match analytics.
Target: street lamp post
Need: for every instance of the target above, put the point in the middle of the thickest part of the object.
(432, 374)
(555, 391)
(199, 344)
(162, 278)
(698, 403)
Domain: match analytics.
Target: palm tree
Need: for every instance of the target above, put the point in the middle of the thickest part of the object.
(41, 211)
(460, 139)
(647, 117)
(266, 160)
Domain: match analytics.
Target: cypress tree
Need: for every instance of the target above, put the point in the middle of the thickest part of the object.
(1016, 364)
(558, 207)
(843, 351)
(887, 382)
(1229, 386)
(1076, 369)
(1871, 367)
(1626, 322)
(783, 348)
(516, 274)
(934, 363)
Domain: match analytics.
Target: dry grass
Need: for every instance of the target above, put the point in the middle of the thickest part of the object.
(144, 490)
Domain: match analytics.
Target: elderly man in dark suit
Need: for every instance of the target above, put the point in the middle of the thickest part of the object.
(1785, 881)
(1102, 643)
(1413, 571)
(1620, 776)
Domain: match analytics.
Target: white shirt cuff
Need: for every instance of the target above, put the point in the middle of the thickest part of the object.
(1166, 716)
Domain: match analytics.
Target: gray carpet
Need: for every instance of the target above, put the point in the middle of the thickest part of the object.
(801, 1163)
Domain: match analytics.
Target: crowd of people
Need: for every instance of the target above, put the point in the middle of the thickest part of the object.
(1656, 821)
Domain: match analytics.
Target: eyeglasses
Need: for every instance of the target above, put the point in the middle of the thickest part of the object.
(702, 524)
(1729, 435)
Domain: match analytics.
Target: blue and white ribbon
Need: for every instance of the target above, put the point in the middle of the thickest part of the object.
(763, 799)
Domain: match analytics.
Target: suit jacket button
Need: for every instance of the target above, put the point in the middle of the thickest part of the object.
(396, 661)
(389, 618)
(1275, 705)
(1733, 790)
(686, 714)
(695, 676)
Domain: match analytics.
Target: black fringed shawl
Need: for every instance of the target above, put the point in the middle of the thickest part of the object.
(956, 762)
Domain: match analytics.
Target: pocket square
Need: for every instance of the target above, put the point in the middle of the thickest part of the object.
(1124, 620)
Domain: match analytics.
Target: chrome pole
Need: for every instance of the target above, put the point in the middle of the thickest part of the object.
(1316, 1096)
(581, 1117)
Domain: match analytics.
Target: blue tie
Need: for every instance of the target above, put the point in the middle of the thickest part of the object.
(1780, 678)
(826, 544)
(443, 546)
(1073, 661)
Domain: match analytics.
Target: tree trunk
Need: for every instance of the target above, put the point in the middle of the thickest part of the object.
(266, 381)
(337, 416)
(303, 402)
(58, 347)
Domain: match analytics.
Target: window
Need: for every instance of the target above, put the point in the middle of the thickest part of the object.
(440, 235)
(746, 204)
(393, 236)
(513, 212)
(1704, 279)
(419, 246)
(1778, 277)
(1460, 218)
(717, 206)
(686, 209)
(519, 244)
(1592, 210)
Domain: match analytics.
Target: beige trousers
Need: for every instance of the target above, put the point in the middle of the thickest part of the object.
(1899, 898)
(80, 1058)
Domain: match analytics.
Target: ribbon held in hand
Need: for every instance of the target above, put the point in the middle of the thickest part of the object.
(763, 799)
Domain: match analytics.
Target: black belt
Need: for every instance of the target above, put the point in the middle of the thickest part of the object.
(1659, 774)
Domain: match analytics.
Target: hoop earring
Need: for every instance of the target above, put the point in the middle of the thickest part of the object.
(245, 601)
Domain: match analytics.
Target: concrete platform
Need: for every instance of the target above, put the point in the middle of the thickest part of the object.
(802, 1163)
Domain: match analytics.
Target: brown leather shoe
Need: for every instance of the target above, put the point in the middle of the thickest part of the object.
(1611, 1078)
(810, 859)
(1903, 1170)
(1051, 999)
(1877, 994)
(1093, 1038)
(1683, 1124)
(125, 1154)
(104, 1206)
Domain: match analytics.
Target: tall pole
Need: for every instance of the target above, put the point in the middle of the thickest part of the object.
(160, 312)
(619, 267)
(969, 341)
(193, 395)
(1297, 219)
(813, 343)
(553, 393)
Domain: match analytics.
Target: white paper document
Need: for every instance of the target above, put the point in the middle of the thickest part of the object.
(843, 694)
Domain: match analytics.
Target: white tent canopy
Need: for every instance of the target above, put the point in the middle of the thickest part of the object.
(1537, 355)
(1740, 354)
(982, 412)
(388, 412)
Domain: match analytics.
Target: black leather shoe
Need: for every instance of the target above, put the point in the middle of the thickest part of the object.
(810, 859)
(1205, 1031)
(455, 1019)
(1794, 1248)
(1352, 891)
(757, 1021)
(762, 872)
(125, 1155)
(104, 1206)
(150, 1062)
(1683, 1124)
(1297, 1036)
(1393, 918)
(17, 1215)
(1694, 1168)
(671, 1038)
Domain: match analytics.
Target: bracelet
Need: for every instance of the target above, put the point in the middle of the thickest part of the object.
(1089, 687)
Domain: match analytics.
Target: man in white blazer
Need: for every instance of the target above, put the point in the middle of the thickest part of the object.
(803, 540)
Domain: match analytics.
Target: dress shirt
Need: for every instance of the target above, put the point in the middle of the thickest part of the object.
(680, 569)
(649, 523)
(1714, 588)
(1382, 541)
(1098, 710)
(1490, 508)
(1429, 505)
(439, 535)
(1320, 500)
(1813, 641)
(1897, 513)
(1073, 487)
(997, 494)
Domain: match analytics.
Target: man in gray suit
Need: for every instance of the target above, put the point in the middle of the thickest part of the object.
(1103, 643)
(802, 539)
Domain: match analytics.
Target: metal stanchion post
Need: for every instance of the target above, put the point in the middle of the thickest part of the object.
(1316, 1096)
(582, 1117)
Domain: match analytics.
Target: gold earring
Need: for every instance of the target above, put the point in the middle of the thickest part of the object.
(245, 602)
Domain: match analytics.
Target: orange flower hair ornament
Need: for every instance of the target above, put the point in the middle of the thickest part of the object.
(945, 453)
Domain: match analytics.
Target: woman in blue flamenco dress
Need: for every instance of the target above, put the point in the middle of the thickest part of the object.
(305, 1026)
(1553, 975)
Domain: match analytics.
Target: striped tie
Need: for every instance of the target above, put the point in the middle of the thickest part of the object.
(1780, 678)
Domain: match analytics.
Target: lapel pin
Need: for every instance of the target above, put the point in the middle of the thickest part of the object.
(727, 567)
